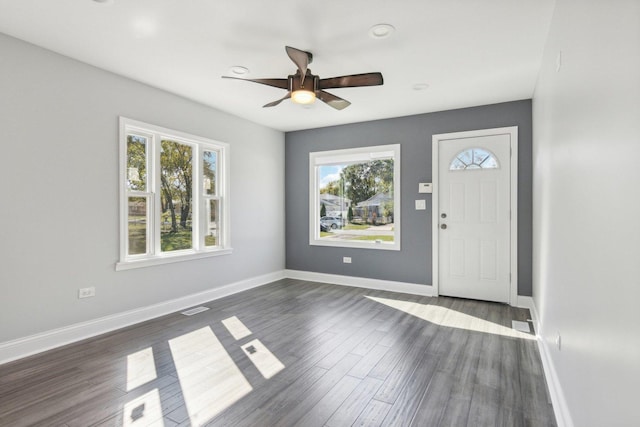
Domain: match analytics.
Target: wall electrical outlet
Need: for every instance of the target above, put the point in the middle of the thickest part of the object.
(87, 292)
(346, 259)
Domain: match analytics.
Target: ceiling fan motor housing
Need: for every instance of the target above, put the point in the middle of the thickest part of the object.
(311, 82)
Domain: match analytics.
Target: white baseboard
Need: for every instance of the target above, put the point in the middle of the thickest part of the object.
(560, 408)
(362, 282)
(22, 347)
(527, 302)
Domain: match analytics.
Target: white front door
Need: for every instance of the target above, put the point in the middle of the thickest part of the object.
(474, 215)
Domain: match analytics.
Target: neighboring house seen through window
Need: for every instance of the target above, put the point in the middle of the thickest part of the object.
(354, 197)
(174, 189)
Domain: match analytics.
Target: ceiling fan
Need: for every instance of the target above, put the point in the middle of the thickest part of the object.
(304, 87)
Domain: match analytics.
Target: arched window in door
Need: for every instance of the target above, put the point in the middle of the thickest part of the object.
(474, 158)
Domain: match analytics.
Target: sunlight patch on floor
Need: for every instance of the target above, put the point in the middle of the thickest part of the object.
(450, 318)
(266, 362)
(145, 410)
(210, 380)
(236, 328)
(141, 368)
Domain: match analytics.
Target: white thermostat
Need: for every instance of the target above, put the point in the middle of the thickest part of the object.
(425, 187)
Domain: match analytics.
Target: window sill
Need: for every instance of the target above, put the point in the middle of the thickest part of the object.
(168, 259)
(385, 246)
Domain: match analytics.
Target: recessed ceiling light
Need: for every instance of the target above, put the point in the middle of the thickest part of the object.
(420, 86)
(381, 31)
(238, 70)
(105, 2)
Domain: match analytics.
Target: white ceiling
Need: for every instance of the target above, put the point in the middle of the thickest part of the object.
(469, 52)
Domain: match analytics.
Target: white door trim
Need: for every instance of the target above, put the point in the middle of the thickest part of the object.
(513, 133)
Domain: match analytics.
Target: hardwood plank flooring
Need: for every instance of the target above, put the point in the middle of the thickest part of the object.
(339, 356)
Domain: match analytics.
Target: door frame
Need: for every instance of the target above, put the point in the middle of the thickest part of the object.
(512, 131)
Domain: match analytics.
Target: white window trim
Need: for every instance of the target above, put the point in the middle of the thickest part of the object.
(199, 144)
(353, 155)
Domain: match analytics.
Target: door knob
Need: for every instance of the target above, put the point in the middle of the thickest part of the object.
(443, 226)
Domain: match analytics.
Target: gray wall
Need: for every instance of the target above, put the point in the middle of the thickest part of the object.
(413, 263)
(59, 180)
(587, 209)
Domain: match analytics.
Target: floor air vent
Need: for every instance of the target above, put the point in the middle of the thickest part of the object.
(195, 310)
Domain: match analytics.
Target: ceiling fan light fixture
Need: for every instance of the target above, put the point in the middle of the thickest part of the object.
(303, 96)
(381, 31)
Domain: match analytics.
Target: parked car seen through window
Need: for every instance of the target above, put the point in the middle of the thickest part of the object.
(331, 221)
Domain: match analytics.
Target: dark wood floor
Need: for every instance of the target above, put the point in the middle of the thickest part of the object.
(310, 355)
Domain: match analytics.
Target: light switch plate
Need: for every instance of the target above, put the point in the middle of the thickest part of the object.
(421, 205)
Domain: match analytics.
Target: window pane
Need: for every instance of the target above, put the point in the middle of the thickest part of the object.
(474, 158)
(466, 157)
(209, 166)
(356, 201)
(457, 164)
(490, 163)
(213, 228)
(137, 225)
(480, 155)
(176, 175)
(136, 163)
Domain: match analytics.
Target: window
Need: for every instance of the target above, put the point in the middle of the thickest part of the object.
(474, 158)
(174, 192)
(354, 197)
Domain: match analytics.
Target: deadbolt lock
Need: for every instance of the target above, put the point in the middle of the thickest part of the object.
(443, 226)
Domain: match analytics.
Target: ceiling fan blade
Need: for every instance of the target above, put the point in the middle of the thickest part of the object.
(274, 103)
(332, 100)
(279, 83)
(301, 58)
(354, 80)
